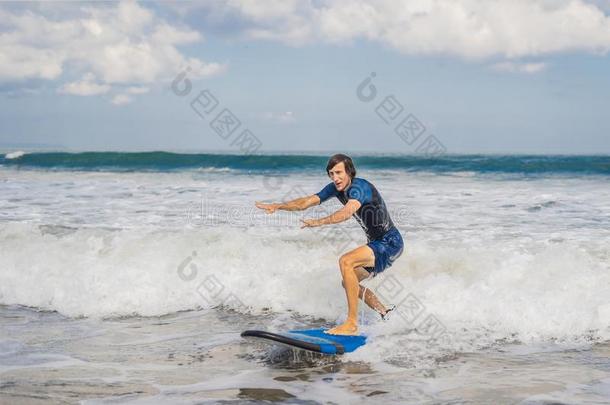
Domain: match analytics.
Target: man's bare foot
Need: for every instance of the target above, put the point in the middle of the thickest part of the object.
(347, 328)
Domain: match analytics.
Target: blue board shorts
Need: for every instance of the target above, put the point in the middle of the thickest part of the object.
(386, 250)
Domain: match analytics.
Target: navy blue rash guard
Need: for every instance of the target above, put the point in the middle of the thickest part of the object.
(372, 215)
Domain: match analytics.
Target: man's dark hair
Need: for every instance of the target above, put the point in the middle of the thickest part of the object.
(347, 162)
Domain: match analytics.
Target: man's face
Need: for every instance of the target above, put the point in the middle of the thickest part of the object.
(339, 176)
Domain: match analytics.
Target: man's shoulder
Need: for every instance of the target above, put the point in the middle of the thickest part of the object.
(361, 190)
(328, 189)
(360, 182)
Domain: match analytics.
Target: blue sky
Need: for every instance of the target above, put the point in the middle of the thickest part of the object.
(518, 77)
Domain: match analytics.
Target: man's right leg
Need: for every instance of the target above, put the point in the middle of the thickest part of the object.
(370, 298)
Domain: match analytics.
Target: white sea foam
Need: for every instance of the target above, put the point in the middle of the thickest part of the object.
(216, 170)
(549, 291)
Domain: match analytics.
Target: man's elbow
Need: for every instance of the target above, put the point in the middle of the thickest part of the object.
(310, 202)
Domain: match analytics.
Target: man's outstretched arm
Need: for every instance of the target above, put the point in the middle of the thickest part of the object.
(339, 216)
(299, 204)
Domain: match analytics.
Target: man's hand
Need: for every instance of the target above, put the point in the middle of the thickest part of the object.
(270, 208)
(309, 223)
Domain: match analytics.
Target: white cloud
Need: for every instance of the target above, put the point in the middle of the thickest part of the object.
(121, 99)
(138, 90)
(115, 44)
(514, 67)
(290, 21)
(285, 117)
(472, 29)
(85, 87)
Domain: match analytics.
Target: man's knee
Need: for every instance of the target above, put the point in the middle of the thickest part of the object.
(345, 262)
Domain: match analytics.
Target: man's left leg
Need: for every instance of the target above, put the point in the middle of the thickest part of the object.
(362, 256)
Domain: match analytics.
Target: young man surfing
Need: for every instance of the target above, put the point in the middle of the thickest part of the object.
(361, 200)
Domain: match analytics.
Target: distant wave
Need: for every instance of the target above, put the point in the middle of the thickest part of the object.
(167, 161)
(14, 155)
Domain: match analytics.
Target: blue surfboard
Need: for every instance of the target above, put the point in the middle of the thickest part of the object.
(314, 340)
